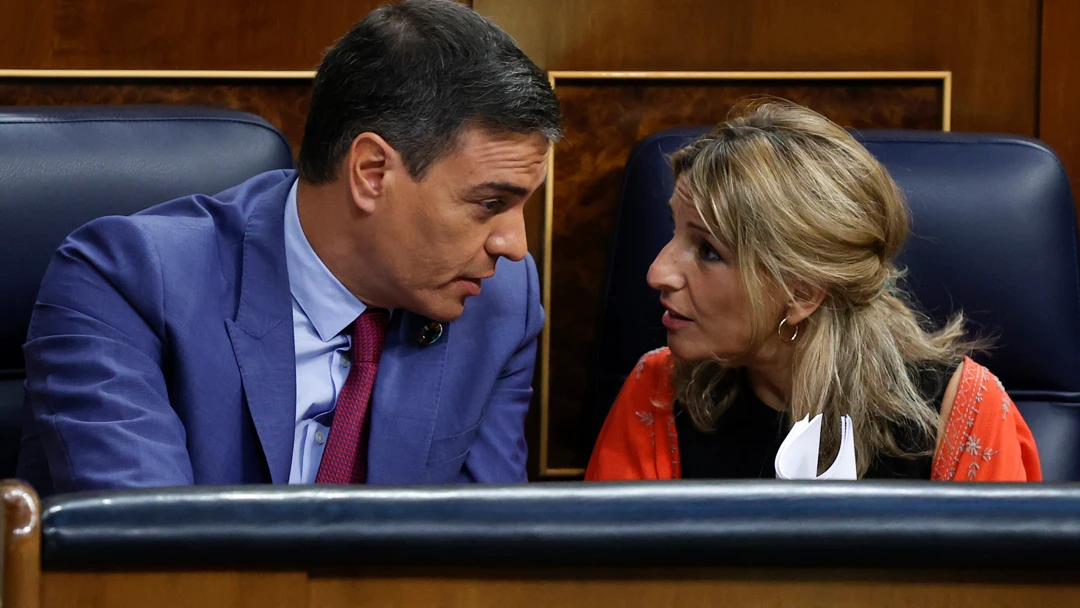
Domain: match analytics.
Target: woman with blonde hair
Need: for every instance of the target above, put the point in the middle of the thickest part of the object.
(782, 300)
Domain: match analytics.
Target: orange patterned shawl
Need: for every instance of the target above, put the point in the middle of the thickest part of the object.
(986, 439)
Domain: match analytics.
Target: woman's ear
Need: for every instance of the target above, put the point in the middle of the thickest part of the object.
(806, 301)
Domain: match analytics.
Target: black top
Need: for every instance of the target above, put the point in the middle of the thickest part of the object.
(749, 433)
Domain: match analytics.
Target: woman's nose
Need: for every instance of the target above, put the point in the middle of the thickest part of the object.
(663, 273)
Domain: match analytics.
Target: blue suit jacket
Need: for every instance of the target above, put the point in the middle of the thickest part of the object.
(161, 353)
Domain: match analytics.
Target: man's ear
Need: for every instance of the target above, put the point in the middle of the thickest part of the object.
(368, 162)
(807, 300)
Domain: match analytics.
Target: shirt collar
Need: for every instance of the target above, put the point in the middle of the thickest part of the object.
(324, 300)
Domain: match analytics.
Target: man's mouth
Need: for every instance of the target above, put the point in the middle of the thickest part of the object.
(472, 286)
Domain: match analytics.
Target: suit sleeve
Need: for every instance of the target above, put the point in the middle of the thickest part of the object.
(499, 453)
(95, 388)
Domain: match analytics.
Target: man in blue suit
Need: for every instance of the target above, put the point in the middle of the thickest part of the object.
(372, 318)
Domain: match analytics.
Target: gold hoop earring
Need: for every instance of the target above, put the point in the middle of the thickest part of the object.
(780, 330)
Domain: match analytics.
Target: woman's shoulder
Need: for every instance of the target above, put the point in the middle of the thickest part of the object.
(639, 425)
(974, 384)
(968, 380)
(653, 366)
(965, 378)
(983, 436)
(648, 387)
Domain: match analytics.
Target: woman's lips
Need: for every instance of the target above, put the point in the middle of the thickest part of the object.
(673, 320)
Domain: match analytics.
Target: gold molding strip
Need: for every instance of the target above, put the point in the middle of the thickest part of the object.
(945, 77)
(169, 74)
(545, 301)
(946, 103)
(866, 75)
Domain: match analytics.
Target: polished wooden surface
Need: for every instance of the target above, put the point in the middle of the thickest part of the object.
(992, 48)
(603, 120)
(790, 590)
(152, 34)
(176, 590)
(20, 562)
(284, 102)
(1059, 86)
(535, 588)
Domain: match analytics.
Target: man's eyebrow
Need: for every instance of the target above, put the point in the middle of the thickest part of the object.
(496, 188)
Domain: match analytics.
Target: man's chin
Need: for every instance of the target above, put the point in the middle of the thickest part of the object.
(443, 312)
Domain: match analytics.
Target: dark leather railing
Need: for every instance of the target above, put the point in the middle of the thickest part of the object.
(753, 524)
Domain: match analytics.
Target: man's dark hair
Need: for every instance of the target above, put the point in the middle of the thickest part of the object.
(416, 74)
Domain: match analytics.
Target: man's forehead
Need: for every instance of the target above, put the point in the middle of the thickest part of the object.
(480, 135)
(482, 146)
(498, 164)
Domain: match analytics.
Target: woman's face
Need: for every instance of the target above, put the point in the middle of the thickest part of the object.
(707, 308)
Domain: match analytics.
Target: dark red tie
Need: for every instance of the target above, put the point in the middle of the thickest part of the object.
(345, 457)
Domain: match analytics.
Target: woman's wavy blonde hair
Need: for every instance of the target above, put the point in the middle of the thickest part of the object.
(802, 204)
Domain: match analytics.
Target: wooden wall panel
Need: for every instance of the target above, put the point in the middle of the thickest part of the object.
(1059, 98)
(991, 47)
(164, 35)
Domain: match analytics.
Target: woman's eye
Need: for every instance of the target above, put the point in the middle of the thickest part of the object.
(708, 253)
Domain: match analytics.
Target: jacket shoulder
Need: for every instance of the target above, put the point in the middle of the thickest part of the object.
(187, 226)
(513, 290)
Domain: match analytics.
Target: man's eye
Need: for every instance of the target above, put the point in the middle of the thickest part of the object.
(493, 205)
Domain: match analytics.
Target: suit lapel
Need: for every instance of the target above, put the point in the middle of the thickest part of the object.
(406, 399)
(262, 334)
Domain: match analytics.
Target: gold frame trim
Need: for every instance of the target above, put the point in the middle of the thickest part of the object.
(945, 77)
(165, 74)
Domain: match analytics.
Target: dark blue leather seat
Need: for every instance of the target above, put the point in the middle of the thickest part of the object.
(61, 167)
(994, 233)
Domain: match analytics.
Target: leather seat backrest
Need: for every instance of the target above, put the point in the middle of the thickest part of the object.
(61, 167)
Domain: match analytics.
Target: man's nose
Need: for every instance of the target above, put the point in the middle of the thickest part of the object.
(508, 240)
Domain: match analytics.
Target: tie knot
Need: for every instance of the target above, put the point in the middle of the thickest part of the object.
(369, 334)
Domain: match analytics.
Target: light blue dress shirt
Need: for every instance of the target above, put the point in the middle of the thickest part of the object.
(322, 308)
